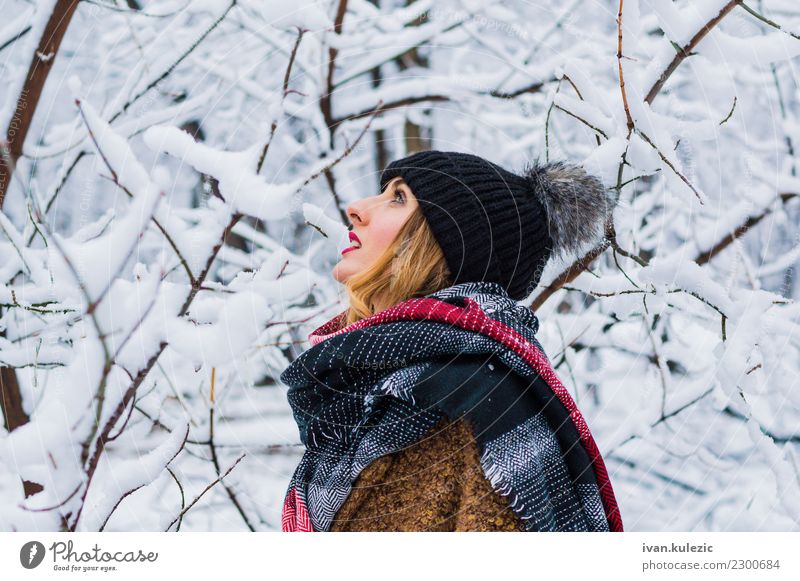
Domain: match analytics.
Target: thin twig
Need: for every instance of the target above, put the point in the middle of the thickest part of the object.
(207, 488)
(121, 498)
(683, 52)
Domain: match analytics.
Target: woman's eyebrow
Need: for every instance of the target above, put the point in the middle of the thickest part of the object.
(393, 184)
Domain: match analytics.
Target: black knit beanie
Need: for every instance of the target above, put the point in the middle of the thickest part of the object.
(495, 225)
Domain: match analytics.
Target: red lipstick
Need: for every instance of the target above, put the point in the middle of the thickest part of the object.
(353, 238)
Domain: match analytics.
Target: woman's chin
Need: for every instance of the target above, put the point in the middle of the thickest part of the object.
(340, 273)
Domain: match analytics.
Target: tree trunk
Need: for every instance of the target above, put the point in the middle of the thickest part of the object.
(41, 63)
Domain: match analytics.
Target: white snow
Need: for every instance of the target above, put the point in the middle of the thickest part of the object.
(158, 289)
(239, 185)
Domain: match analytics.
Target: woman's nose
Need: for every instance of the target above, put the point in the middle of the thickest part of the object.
(353, 214)
(358, 211)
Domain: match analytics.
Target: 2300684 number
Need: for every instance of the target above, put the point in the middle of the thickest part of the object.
(756, 564)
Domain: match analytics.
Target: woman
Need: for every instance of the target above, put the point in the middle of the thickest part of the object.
(429, 404)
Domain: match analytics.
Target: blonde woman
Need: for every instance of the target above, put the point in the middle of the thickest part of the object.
(428, 404)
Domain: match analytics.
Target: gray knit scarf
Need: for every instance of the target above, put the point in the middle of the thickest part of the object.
(368, 389)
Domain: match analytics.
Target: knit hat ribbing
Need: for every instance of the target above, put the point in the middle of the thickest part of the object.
(495, 225)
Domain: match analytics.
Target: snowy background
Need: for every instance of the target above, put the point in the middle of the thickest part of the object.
(161, 160)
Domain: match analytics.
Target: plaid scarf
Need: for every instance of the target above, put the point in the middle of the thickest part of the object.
(379, 385)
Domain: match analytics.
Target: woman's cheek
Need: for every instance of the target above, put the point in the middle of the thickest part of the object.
(386, 234)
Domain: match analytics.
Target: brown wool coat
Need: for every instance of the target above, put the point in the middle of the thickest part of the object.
(436, 484)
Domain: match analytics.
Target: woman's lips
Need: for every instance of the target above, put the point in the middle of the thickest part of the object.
(353, 238)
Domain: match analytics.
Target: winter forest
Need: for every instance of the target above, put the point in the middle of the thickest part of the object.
(173, 185)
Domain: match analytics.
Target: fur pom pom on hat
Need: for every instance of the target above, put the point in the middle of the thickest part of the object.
(500, 226)
(576, 204)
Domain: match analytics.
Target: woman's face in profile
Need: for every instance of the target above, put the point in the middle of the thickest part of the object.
(376, 222)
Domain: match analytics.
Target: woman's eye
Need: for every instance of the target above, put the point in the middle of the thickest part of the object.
(398, 194)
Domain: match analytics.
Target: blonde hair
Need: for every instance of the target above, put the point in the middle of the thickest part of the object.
(412, 266)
